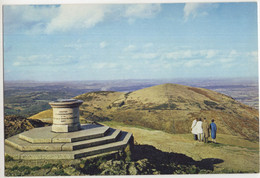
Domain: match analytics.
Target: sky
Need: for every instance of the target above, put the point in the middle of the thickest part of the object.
(130, 41)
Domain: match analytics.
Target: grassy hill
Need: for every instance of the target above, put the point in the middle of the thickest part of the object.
(160, 118)
(170, 108)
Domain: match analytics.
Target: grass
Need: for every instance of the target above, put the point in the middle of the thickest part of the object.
(238, 154)
(160, 161)
(47, 166)
(215, 144)
(121, 124)
(8, 158)
(24, 168)
(15, 167)
(164, 106)
(60, 172)
(202, 92)
(35, 168)
(44, 114)
(210, 103)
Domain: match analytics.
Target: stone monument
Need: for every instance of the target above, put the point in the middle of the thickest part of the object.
(65, 115)
(67, 138)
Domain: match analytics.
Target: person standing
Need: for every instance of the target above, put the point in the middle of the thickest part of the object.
(213, 128)
(199, 130)
(193, 128)
(205, 128)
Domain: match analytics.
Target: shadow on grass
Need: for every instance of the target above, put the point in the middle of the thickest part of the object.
(209, 163)
(164, 159)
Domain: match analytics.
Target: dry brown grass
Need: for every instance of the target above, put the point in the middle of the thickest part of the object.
(237, 154)
(202, 92)
(151, 107)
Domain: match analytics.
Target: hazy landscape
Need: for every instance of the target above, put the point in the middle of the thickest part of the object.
(30, 97)
(154, 114)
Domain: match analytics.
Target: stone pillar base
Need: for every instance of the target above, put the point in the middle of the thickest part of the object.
(65, 128)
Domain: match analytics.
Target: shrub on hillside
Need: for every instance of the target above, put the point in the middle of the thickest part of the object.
(17, 124)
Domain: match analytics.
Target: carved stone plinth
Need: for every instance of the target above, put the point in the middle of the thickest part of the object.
(65, 115)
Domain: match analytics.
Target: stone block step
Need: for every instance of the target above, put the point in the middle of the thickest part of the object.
(111, 136)
(23, 145)
(120, 144)
(45, 135)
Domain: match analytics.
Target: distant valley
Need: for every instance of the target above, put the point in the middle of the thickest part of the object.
(27, 98)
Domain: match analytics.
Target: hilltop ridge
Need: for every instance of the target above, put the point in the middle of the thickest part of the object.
(171, 108)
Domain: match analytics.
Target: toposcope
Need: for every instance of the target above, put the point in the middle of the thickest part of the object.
(66, 115)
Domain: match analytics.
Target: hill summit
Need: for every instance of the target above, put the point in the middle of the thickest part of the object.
(171, 108)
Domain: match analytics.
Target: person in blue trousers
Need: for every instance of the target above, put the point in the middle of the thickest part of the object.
(213, 128)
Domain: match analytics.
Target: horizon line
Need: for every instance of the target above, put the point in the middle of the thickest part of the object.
(141, 79)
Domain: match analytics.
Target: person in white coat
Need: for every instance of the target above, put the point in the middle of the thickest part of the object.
(199, 129)
(193, 128)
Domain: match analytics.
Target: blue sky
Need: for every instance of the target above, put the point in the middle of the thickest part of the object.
(130, 41)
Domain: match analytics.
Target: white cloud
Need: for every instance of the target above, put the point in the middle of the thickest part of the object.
(104, 65)
(130, 48)
(192, 63)
(127, 66)
(188, 54)
(33, 18)
(49, 19)
(35, 60)
(189, 57)
(208, 63)
(77, 17)
(233, 53)
(253, 54)
(191, 9)
(209, 53)
(148, 45)
(181, 54)
(103, 44)
(229, 57)
(145, 55)
(228, 65)
(225, 60)
(198, 9)
(142, 10)
(73, 46)
(78, 44)
(134, 11)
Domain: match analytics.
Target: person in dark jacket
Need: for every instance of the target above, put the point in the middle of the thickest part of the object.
(213, 128)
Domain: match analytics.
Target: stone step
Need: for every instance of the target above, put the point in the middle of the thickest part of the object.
(111, 136)
(122, 142)
(45, 135)
(23, 145)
